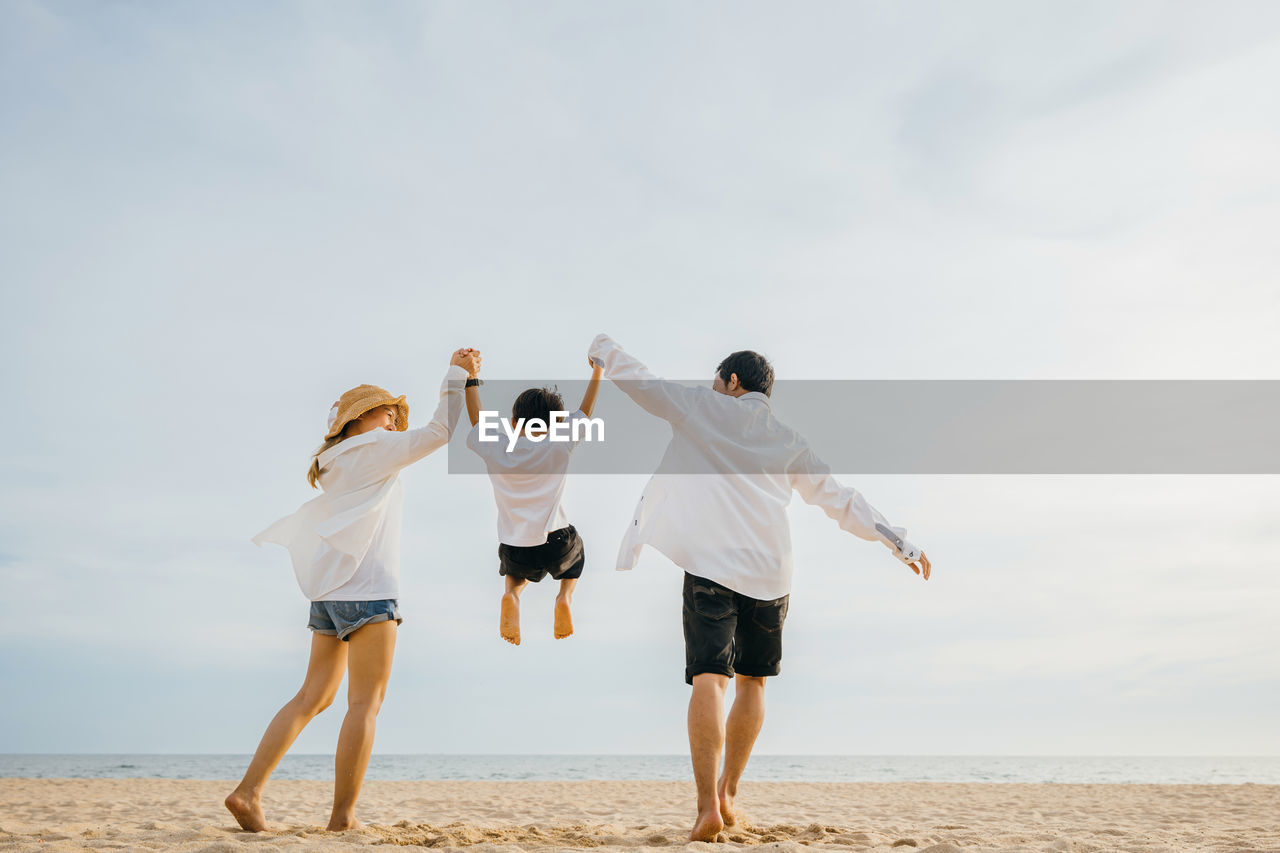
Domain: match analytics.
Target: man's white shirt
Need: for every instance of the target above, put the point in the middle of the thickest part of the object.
(716, 505)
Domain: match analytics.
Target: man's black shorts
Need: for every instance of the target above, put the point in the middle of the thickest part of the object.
(561, 556)
(726, 631)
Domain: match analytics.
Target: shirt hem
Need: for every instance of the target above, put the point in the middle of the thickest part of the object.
(712, 574)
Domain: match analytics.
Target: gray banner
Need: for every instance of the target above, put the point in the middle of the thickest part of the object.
(959, 426)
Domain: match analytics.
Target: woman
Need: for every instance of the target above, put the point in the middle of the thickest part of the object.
(345, 547)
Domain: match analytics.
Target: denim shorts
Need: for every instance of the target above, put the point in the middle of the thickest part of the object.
(341, 619)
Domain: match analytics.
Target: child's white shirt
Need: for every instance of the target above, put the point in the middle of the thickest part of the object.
(345, 544)
(528, 481)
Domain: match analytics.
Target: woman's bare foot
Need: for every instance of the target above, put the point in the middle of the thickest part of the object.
(564, 618)
(509, 622)
(247, 811)
(708, 827)
(336, 825)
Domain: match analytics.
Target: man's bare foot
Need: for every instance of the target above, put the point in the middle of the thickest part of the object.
(727, 812)
(247, 811)
(564, 619)
(708, 827)
(509, 623)
(336, 825)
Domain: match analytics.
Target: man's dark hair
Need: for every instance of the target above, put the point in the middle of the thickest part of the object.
(537, 403)
(755, 373)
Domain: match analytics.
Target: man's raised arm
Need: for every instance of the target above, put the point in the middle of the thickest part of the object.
(668, 400)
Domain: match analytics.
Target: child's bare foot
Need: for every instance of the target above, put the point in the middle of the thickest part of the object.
(564, 618)
(509, 623)
(247, 811)
(708, 827)
(343, 824)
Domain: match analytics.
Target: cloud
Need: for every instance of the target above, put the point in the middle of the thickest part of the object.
(216, 223)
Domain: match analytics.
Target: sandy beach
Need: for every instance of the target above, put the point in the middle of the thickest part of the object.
(162, 814)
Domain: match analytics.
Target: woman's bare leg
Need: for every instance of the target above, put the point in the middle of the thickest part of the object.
(368, 668)
(324, 676)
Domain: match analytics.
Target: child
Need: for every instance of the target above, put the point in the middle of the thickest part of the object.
(535, 537)
(345, 547)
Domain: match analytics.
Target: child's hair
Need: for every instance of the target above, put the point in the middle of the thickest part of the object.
(537, 403)
(313, 473)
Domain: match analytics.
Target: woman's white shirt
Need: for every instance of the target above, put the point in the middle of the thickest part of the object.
(345, 544)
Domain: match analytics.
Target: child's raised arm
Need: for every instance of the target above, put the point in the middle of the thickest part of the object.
(593, 388)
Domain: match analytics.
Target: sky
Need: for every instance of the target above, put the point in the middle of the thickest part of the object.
(218, 217)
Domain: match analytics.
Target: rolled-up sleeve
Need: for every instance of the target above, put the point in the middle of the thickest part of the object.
(813, 481)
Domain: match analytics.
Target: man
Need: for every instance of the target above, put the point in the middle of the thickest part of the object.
(716, 507)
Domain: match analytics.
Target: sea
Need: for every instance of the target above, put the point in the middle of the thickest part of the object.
(1228, 770)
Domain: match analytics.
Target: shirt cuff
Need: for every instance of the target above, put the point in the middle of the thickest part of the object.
(895, 538)
(908, 553)
(601, 347)
(454, 373)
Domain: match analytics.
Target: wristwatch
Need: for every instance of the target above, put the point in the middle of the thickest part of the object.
(473, 382)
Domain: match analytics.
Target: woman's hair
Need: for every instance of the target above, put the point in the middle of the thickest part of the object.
(313, 473)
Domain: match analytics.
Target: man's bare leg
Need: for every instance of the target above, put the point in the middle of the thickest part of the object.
(564, 616)
(706, 740)
(745, 719)
(509, 616)
(368, 669)
(324, 675)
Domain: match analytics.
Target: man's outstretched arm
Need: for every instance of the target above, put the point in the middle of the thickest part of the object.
(813, 480)
(668, 400)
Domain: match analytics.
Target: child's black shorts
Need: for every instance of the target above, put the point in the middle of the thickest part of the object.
(726, 631)
(561, 556)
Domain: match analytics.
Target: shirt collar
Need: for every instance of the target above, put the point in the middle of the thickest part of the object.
(758, 396)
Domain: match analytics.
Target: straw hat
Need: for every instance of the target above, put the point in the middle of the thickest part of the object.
(361, 399)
